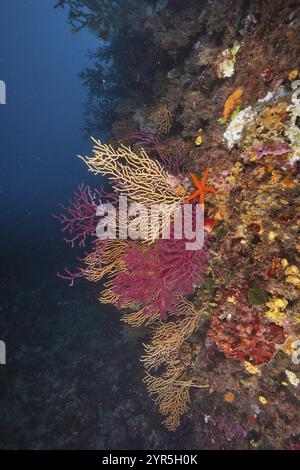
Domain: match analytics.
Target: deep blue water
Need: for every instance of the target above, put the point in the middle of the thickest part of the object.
(41, 123)
(64, 384)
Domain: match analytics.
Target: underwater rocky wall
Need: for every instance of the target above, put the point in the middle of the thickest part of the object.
(219, 118)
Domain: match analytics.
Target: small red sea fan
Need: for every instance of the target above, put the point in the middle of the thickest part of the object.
(79, 219)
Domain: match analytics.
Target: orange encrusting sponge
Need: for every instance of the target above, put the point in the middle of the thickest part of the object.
(232, 102)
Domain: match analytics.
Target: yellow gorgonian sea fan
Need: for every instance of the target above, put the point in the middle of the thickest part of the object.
(142, 179)
(171, 388)
(162, 118)
(137, 176)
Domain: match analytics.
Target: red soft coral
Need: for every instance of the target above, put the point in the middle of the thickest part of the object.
(248, 338)
(240, 331)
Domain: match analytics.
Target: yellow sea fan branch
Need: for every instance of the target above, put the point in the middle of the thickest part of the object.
(162, 117)
(108, 295)
(168, 338)
(139, 177)
(111, 260)
(186, 307)
(172, 399)
(137, 319)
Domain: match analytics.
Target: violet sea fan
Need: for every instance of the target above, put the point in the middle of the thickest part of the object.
(79, 218)
(144, 283)
(156, 275)
(171, 153)
(91, 261)
(79, 221)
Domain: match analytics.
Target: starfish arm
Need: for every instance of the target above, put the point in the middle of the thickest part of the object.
(201, 187)
(204, 177)
(193, 195)
(195, 180)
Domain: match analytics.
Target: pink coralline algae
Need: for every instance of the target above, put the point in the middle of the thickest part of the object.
(278, 147)
(267, 148)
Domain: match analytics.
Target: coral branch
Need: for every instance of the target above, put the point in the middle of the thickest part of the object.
(167, 342)
(137, 319)
(172, 398)
(79, 219)
(139, 177)
(171, 153)
(154, 276)
(162, 118)
(168, 337)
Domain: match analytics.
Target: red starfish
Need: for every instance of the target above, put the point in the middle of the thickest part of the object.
(201, 187)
